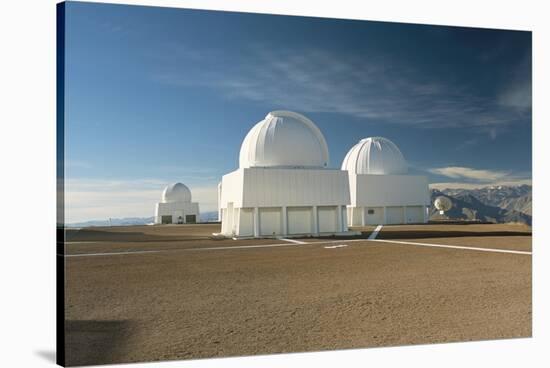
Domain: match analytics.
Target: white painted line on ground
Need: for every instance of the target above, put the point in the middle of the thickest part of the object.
(304, 243)
(279, 245)
(188, 249)
(335, 246)
(455, 247)
(292, 241)
(250, 246)
(209, 248)
(374, 234)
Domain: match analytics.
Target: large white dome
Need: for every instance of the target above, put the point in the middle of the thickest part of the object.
(284, 139)
(375, 155)
(177, 192)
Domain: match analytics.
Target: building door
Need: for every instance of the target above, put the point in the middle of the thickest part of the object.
(246, 222)
(166, 219)
(299, 220)
(190, 219)
(270, 221)
(374, 215)
(328, 220)
(394, 215)
(415, 214)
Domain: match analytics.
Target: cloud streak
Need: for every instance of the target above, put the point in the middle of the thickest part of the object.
(470, 178)
(376, 88)
(458, 185)
(459, 172)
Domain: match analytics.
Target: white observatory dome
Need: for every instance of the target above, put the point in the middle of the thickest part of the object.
(375, 155)
(284, 139)
(177, 192)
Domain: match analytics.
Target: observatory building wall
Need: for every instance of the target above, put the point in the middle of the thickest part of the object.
(188, 211)
(277, 201)
(391, 190)
(388, 199)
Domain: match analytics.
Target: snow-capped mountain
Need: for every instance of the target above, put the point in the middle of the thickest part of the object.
(492, 203)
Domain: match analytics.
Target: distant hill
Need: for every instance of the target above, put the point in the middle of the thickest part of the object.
(211, 216)
(521, 204)
(129, 221)
(516, 198)
(492, 204)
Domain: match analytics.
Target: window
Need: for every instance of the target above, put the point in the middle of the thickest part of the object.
(370, 212)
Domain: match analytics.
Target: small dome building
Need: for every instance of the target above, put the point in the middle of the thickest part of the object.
(283, 186)
(381, 191)
(176, 207)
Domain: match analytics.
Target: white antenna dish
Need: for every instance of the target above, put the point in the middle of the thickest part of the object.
(443, 204)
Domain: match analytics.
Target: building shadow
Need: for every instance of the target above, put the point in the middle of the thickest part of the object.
(389, 234)
(92, 235)
(93, 342)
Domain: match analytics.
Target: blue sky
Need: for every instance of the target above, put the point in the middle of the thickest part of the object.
(158, 95)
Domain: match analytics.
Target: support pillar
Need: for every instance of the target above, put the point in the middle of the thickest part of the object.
(424, 213)
(315, 221)
(285, 221)
(237, 221)
(339, 218)
(363, 220)
(385, 215)
(256, 222)
(345, 218)
(224, 223)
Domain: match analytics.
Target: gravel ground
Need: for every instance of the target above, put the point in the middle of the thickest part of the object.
(181, 304)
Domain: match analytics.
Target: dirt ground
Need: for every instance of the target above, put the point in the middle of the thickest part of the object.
(199, 297)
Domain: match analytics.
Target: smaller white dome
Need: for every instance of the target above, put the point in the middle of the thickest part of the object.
(177, 192)
(375, 155)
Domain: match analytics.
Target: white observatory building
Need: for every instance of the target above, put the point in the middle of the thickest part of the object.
(283, 186)
(176, 207)
(380, 189)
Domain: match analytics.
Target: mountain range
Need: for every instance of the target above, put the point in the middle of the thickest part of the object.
(492, 203)
(211, 216)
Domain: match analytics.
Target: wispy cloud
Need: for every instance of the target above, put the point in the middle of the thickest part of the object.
(517, 96)
(470, 178)
(89, 199)
(372, 88)
(188, 174)
(459, 172)
(518, 93)
(460, 185)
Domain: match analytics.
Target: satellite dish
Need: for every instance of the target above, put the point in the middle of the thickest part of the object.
(443, 204)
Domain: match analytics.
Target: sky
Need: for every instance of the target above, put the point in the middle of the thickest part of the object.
(160, 95)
